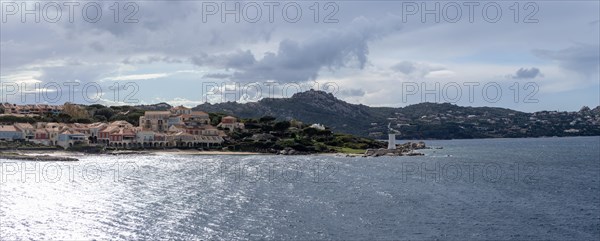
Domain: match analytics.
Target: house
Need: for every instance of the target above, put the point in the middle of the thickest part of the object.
(104, 133)
(117, 133)
(144, 137)
(68, 138)
(122, 137)
(155, 120)
(181, 110)
(41, 137)
(210, 131)
(197, 118)
(10, 133)
(94, 130)
(27, 130)
(183, 139)
(230, 122)
(53, 129)
(161, 121)
(82, 128)
(175, 120)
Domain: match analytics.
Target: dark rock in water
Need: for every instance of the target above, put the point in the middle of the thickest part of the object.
(406, 149)
(412, 145)
(290, 151)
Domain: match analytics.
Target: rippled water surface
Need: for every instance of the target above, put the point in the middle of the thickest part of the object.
(469, 190)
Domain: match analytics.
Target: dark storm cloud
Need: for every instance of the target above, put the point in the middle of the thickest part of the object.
(581, 58)
(133, 16)
(297, 61)
(524, 73)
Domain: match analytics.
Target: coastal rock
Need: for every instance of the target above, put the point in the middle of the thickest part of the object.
(406, 149)
(290, 151)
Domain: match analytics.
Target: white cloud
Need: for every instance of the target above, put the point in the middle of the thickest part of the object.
(137, 77)
(22, 77)
(179, 101)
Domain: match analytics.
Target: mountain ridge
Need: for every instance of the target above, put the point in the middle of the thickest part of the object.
(418, 121)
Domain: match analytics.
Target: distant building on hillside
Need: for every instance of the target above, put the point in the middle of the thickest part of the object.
(37, 109)
(231, 123)
(180, 116)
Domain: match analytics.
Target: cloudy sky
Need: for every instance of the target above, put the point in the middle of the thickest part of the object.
(530, 56)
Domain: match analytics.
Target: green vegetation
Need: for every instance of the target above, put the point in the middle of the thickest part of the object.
(215, 118)
(15, 119)
(268, 135)
(348, 150)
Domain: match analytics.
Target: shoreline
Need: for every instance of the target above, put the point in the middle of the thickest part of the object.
(406, 149)
(44, 154)
(197, 152)
(62, 155)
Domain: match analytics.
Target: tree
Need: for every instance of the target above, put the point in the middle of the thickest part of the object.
(15, 119)
(266, 119)
(106, 112)
(215, 118)
(97, 106)
(281, 126)
(62, 117)
(100, 118)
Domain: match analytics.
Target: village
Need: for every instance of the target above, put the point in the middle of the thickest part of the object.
(178, 127)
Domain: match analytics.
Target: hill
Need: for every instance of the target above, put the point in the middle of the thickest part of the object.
(419, 121)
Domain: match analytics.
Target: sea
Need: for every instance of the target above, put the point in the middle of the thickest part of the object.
(484, 189)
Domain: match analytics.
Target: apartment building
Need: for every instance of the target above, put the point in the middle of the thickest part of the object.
(37, 109)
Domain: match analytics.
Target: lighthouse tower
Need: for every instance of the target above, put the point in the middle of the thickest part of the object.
(391, 141)
(391, 137)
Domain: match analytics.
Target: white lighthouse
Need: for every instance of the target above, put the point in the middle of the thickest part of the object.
(392, 137)
(391, 141)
